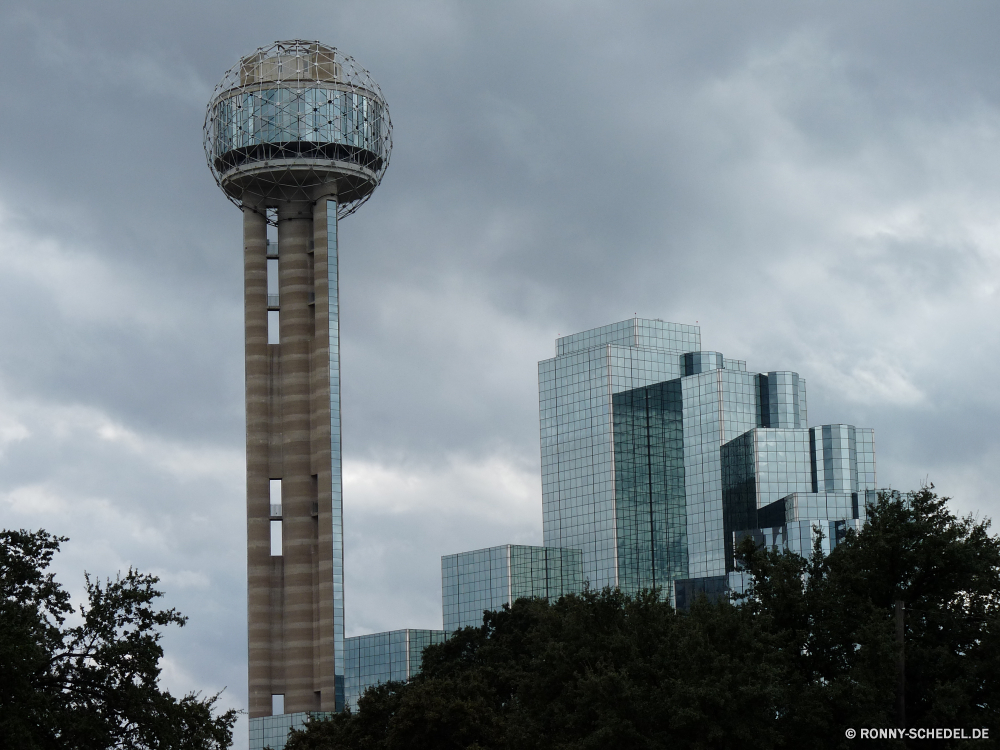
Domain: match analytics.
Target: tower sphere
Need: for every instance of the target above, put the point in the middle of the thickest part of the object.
(295, 121)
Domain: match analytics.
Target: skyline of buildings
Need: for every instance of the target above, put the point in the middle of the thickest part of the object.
(656, 455)
(655, 462)
(674, 456)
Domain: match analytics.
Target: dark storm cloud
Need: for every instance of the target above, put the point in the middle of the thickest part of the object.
(813, 183)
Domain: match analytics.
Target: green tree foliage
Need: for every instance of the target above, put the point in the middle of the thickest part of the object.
(92, 685)
(833, 616)
(809, 651)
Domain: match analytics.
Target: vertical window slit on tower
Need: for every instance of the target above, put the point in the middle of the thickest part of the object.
(272, 282)
(275, 499)
(315, 495)
(273, 328)
(275, 538)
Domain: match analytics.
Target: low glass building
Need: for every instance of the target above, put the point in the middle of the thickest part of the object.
(272, 731)
(368, 660)
(472, 582)
(382, 657)
(487, 579)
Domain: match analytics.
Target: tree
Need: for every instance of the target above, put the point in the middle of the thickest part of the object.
(592, 671)
(834, 616)
(808, 652)
(93, 684)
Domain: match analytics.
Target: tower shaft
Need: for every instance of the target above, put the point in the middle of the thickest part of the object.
(295, 599)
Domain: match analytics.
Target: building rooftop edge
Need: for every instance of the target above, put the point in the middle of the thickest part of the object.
(634, 331)
(397, 630)
(503, 546)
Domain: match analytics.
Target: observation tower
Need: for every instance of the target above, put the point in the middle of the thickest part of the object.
(298, 136)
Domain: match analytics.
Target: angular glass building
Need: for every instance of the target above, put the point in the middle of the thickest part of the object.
(771, 477)
(655, 452)
(487, 579)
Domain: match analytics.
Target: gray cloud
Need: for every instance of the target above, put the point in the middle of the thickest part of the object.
(813, 183)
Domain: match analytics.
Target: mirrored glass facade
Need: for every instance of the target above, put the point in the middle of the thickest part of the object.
(487, 579)
(686, 590)
(650, 507)
(643, 433)
(776, 476)
(797, 536)
(575, 391)
(380, 657)
(272, 731)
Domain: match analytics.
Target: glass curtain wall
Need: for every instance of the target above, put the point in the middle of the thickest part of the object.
(487, 579)
(577, 442)
(336, 478)
(382, 657)
(649, 486)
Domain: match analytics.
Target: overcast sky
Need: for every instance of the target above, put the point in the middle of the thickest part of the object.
(816, 184)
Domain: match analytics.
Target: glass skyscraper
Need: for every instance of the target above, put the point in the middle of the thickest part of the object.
(655, 452)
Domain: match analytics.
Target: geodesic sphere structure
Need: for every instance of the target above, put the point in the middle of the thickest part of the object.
(294, 121)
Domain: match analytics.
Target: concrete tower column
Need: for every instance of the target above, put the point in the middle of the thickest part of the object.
(258, 406)
(298, 485)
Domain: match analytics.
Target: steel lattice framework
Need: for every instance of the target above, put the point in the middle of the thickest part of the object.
(294, 121)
